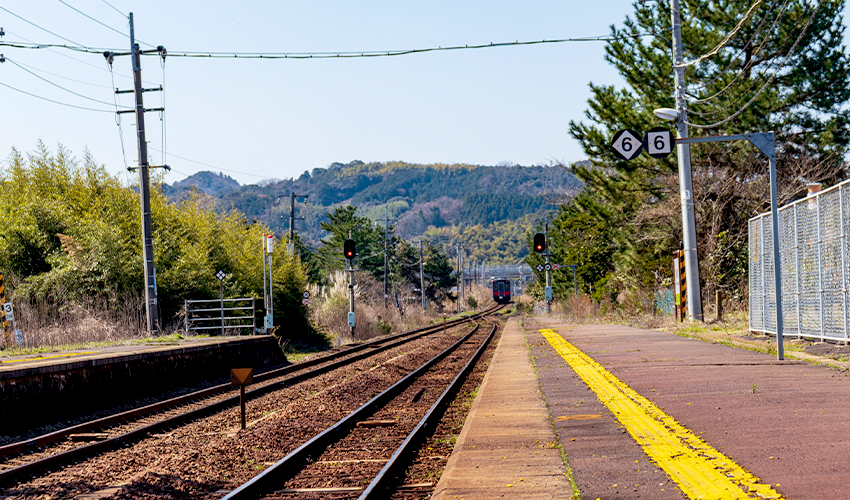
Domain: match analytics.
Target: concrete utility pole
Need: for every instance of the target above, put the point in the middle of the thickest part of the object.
(151, 304)
(422, 274)
(386, 254)
(144, 189)
(350, 270)
(292, 217)
(686, 192)
(548, 271)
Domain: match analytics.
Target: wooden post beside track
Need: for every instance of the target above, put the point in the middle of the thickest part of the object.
(240, 377)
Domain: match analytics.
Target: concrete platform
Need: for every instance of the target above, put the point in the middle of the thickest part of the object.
(64, 384)
(783, 424)
(508, 447)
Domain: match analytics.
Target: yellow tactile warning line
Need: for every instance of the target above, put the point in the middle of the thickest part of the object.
(48, 357)
(698, 469)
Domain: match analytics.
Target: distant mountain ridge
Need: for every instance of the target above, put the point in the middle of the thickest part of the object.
(420, 198)
(208, 182)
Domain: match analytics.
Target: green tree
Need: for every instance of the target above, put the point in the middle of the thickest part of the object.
(71, 231)
(368, 239)
(784, 70)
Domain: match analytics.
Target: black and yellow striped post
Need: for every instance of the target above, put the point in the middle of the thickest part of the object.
(6, 333)
(683, 278)
(680, 286)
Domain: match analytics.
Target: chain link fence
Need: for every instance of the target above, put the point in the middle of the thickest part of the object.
(813, 253)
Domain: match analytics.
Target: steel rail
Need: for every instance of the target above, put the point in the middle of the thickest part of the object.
(16, 448)
(379, 486)
(285, 468)
(85, 451)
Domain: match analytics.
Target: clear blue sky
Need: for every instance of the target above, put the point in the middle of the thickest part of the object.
(277, 118)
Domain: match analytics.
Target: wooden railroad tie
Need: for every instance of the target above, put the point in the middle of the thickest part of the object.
(376, 423)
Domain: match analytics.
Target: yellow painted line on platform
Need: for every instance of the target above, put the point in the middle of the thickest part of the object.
(698, 469)
(48, 357)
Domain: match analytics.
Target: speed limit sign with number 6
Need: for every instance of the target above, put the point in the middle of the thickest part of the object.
(626, 144)
(658, 142)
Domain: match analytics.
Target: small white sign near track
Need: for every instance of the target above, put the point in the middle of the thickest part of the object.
(8, 311)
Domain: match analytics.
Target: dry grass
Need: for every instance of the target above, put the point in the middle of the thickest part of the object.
(374, 315)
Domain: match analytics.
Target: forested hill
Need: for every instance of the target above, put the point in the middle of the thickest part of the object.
(421, 198)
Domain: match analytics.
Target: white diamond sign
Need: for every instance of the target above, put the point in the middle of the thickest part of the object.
(627, 144)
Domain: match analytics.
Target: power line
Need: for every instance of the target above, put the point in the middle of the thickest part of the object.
(55, 102)
(39, 27)
(332, 55)
(748, 44)
(63, 77)
(35, 45)
(734, 100)
(722, 43)
(772, 76)
(78, 11)
(749, 64)
(59, 86)
(208, 165)
(116, 10)
(390, 53)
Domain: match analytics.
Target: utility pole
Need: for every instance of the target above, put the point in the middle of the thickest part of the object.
(350, 263)
(459, 279)
(151, 305)
(548, 272)
(292, 217)
(685, 185)
(386, 255)
(422, 274)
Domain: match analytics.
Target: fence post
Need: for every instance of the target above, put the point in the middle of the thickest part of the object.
(718, 300)
(763, 281)
(843, 260)
(797, 259)
(819, 243)
(186, 310)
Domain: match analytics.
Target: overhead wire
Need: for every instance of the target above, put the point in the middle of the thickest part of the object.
(54, 101)
(118, 118)
(39, 27)
(51, 49)
(62, 76)
(722, 43)
(78, 11)
(736, 99)
(57, 85)
(116, 10)
(744, 48)
(208, 165)
(332, 55)
(772, 76)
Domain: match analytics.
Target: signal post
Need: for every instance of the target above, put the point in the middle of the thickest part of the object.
(540, 246)
(349, 251)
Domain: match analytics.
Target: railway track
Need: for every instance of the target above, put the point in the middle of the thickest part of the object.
(364, 454)
(24, 459)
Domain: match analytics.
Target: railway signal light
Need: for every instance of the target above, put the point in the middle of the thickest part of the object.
(348, 249)
(539, 243)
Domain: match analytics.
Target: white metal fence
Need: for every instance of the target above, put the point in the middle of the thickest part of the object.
(813, 253)
(217, 316)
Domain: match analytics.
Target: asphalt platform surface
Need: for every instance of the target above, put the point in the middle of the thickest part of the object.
(787, 423)
(680, 417)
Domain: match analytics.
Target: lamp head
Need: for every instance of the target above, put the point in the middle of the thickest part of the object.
(667, 114)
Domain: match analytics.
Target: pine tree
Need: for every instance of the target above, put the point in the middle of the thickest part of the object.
(782, 69)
